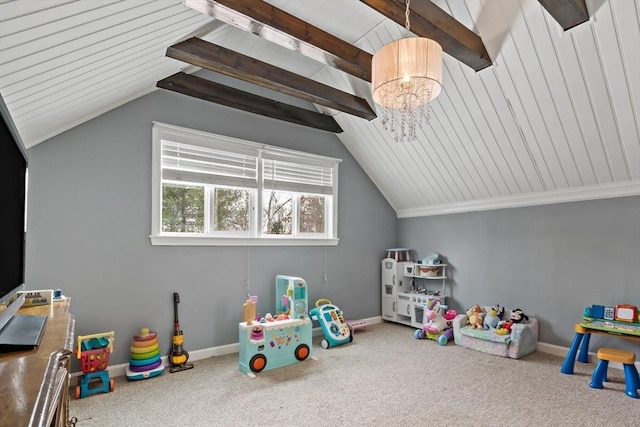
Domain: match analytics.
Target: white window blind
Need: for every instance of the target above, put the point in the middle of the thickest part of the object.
(201, 159)
(194, 164)
(285, 175)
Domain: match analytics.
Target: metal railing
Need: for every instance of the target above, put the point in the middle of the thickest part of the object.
(52, 403)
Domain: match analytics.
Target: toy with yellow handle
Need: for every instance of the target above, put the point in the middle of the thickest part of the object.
(178, 356)
(331, 320)
(335, 315)
(322, 301)
(93, 352)
(93, 341)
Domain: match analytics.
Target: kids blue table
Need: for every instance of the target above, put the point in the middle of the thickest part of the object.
(584, 330)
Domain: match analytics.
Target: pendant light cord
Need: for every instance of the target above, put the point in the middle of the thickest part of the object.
(406, 15)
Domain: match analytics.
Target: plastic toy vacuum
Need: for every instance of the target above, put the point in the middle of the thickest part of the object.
(335, 329)
(178, 356)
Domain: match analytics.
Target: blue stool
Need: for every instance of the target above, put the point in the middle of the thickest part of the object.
(628, 359)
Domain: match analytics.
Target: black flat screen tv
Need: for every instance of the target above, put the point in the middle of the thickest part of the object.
(13, 189)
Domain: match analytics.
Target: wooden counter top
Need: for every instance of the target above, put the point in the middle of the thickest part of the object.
(22, 372)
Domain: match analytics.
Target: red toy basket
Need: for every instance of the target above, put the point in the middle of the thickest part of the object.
(94, 360)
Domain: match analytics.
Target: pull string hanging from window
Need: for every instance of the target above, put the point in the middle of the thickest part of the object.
(324, 276)
(270, 214)
(247, 283)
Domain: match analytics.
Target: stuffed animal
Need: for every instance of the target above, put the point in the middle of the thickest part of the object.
(476, 316)
(439, 318)
(518, 316)
(493, 317)
(504, 327)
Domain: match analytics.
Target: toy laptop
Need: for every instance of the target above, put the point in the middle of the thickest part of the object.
(331, 320)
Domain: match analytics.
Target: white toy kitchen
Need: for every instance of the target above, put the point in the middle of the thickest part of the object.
(407, 287)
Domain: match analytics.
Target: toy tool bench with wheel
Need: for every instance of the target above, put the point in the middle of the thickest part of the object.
(178, 356)
(93, 352)
(331, 320)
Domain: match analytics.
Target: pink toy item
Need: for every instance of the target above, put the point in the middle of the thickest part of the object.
(354, 325)
(438, 318)
(438, 323)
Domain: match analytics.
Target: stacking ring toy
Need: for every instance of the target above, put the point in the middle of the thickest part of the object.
(145, 367)
(148, 349)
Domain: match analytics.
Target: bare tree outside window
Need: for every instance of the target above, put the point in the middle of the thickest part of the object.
(182, 208)
(277, 212)
(311, 213)
(212, 189)
(231, 210)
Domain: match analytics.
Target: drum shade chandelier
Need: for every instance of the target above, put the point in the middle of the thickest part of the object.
(406, 76)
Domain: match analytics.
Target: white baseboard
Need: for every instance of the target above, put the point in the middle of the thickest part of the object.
(557, 350)
(552, 349)
(205, 353)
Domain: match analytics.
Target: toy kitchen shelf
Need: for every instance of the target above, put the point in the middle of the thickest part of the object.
(406, 289)
(427, 272)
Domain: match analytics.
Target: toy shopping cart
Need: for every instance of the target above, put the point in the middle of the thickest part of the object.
(93, 352)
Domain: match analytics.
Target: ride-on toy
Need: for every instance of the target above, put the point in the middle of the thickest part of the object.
(331, 320)
(437, 323)
(442, 337)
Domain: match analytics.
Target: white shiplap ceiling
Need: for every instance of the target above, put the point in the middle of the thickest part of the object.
(556, 118)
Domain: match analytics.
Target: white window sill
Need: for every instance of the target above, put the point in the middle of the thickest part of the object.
(237, 241)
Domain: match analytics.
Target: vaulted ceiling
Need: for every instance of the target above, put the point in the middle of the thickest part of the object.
(530, 113)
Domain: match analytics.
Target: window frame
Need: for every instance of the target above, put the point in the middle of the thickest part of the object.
(163, 131)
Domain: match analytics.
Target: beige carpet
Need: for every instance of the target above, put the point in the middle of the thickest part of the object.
(384, 377)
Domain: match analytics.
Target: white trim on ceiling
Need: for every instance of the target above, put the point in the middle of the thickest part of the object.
(601, 191)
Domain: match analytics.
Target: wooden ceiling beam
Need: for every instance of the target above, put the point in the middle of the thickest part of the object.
(277, 26)
(428, 20)
(216, 58)
(207, 90)
(568, 13)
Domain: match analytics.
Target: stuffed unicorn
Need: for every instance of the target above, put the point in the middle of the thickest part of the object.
(439, 318)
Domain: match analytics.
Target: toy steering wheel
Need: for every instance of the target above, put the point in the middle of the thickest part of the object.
(325, 300)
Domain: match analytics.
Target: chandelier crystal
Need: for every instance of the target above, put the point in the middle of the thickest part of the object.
(406, 77)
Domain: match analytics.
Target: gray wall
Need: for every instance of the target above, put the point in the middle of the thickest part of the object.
(552, 261)
(89, 222)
